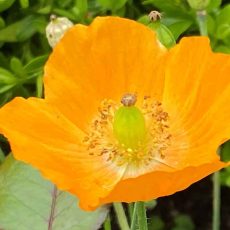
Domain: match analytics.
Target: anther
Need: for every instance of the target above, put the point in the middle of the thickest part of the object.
(129, 99)
(146, 97)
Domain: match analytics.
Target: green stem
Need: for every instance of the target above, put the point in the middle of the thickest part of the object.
(39, 86)
(216, 201)
(130, 210)
(134, 217)
(202, 22)
(2, 156)
(107, 223)
(141, 215)
(121, 217)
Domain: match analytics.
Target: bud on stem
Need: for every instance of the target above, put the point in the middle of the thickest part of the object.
(198, 4)
(56, 29)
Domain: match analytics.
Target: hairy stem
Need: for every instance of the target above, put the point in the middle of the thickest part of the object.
(141, 215)
(107, 223)
(121, 217)
(134, 217)
(202, 22)
(216, 202)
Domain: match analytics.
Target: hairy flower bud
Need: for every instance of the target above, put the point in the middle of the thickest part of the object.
(154, 16)
(56, 29)
(198, 4)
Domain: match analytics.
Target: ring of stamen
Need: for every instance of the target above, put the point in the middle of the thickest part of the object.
(101, 142)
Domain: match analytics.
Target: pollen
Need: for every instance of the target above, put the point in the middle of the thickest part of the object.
(102, 142)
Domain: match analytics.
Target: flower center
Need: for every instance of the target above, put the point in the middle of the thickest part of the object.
(127, 134)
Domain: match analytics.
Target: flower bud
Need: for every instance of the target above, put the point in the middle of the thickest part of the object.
(56, 29)
(154, 16)
(198, 4)
(164, 35)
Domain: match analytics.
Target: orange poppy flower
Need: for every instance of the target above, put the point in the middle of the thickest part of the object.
(123, 118)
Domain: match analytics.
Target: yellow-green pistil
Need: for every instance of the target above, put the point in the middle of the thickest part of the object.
(129, 124)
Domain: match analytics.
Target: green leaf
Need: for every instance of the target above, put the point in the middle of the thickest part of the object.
(225, 151)
(24, 3)
(6, 77)
(179, 27)
(223, 24)
(36, 64)
(223, 16)
(5, 97)
(112, 5)
(222, 49)
(7, 80)
(211, 23)
(151, 204)
(173, 7)
(225, 177)
(164, 35)
(214, 4)
(183, 222)
(64, 13)
(144, 19)
(2, 156)
(27, 201)
(5, 4)
(45, 10)
(23, 29)
(17, 67)
(64, 4)
(156, 223)
(4, 88)
(223, 31)
(2, 23)
(82, 7)
(4, 60)
(31, 26)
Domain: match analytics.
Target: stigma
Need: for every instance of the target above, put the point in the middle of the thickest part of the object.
(129, 99)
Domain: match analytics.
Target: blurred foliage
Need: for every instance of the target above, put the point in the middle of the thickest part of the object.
(24, 48)
(182, 222)
(225, 173)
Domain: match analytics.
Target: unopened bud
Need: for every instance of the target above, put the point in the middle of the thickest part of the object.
(198, 4)
(154, 16)
(164, 35)
(56, 29)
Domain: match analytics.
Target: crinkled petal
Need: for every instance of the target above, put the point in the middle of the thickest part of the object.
(196, 95)
(158, 184)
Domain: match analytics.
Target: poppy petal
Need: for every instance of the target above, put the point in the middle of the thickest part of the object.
(158, 184)
(196, 93)
(40, 135)
(111, 57)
